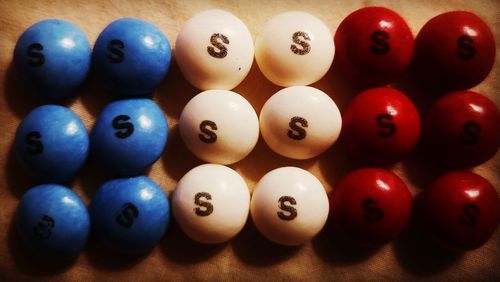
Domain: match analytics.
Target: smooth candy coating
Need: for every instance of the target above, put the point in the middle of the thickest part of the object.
(129, 136)
(211, 203)
(374, 46)
(219, 126)
(131, 56)
(454, 50)
(214, 50)
(371, 205)
(461, 210)
(53, 58)
(462, 129)
(289, 206)
(130, 214)
(53, 221)
(380, 125)
(300, 122)
(52, 144)
(294, 48)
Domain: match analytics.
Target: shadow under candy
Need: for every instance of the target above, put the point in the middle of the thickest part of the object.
(418, 254)
(17, 180)
(28, 261)
(251, 247)
(179, 248)
(104, 257)
(333, 247)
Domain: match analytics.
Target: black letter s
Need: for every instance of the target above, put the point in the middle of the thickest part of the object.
(380, 40)
(115, 54)
(124, 128)
(466, 49)
(35, 55)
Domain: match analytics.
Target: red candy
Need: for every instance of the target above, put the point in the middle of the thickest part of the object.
(455, 50)
(462, 129)
(371, 205)
(374, 45)
(380, 125)
(461, 210)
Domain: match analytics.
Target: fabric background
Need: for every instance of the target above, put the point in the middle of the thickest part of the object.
(249, 256)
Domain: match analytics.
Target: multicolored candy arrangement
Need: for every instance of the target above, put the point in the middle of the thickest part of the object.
(372, 47)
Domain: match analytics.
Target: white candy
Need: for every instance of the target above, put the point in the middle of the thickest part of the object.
(214, 50)
(211, 203)
(300, 122)
(289, 206)
(219, 126)
(294, 48)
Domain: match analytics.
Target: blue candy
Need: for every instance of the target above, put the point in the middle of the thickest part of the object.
(129, 136)
(130, 214)
(131, 56)
(52, 143)
(53, 58)
(53, 221)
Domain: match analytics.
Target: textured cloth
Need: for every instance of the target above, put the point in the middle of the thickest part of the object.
(249, 256)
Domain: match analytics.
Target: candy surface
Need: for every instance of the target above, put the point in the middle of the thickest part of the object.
(211, 203)
(294, 48)
(131, 56)
(380, 126)
(52, 57)
(129, 136)
(219, 126)
(462, 129)
(289, 206)
(300, 122)
(52, 144)
(374, 46)
(130, 214)
(53, 221)
(454, 50)
(371, 205)
(460, 209)
(214, 50)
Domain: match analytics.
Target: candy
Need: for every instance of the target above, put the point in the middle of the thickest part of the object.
(294, 48)
(462, 129)
(289, 206)
(52, 57)
(211, 203)
(131, 56)
(300, 122)
(454, 51)
(460, 209)
(129, 136)
(374, 46)
(371, 206)
(214, 50)
(52, 144)
(53, 221)
(130, 214)
(380, 125)
(219, 126)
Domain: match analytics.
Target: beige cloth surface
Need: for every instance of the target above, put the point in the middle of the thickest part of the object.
(249, 256)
